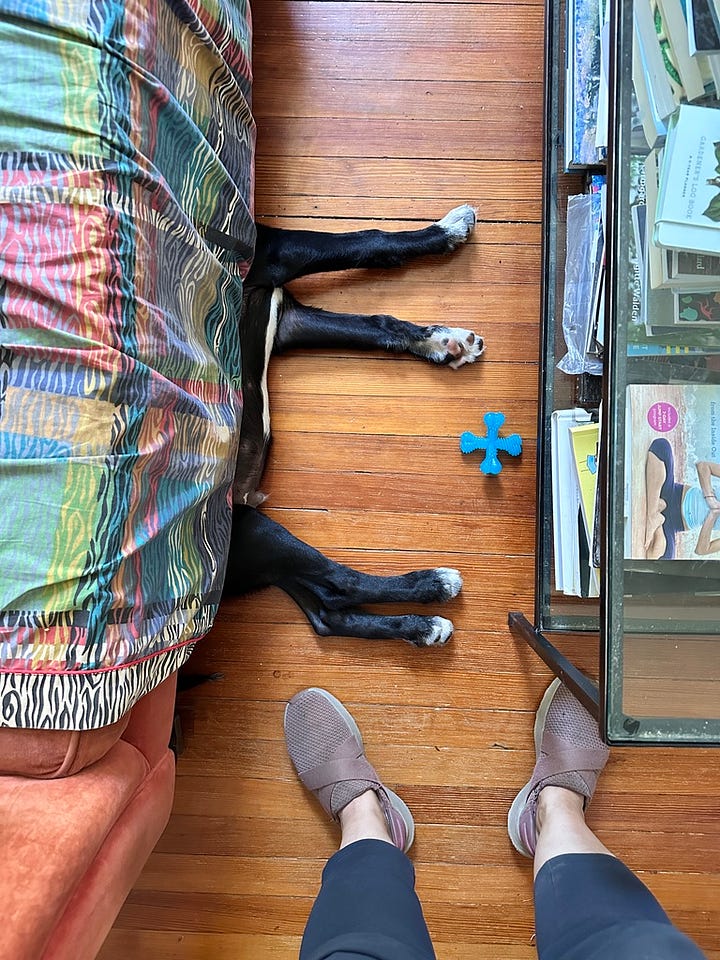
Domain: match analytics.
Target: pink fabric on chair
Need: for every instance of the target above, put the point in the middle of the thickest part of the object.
(46, 852)
(48, 754)
(97, 899)
(73, 845)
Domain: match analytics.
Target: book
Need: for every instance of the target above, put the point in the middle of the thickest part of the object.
(653, 328)
(711, 63)
(653, 126)
(582, 83)
(594, 341)
(703, 31)
(601, 135)
(654, 252)
(682, 269)
(702, 309)
(571, 546)
(585, 441)
(662, 81)
(672, 461)
(688, 204)
(676, 32)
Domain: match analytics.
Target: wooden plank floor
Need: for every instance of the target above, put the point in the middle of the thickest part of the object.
(392, 113)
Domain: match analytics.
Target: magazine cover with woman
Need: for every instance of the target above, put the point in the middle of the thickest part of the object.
(673, 493)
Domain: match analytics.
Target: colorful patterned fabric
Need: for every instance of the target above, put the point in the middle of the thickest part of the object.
(126, 178)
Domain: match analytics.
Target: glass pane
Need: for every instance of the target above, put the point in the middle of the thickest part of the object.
(661, 603)
(555, 610)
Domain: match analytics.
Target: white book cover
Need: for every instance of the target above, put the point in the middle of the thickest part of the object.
(653, 127)
(662, 96)
(676, 29)
(688, 206)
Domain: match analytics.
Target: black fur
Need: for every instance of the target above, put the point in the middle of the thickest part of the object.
(263, 553)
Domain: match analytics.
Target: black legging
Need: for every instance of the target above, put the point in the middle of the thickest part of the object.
(672, 493)
(587, 907)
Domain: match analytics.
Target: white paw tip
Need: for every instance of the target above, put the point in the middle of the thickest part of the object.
(451, 580)
(459, 222)
(440, 632)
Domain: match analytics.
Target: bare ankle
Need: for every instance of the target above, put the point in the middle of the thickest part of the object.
(553, 801)
(363, 819)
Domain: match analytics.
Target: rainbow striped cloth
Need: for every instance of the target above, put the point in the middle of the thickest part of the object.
(126, 183)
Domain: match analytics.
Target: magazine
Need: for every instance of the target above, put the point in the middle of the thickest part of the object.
(585, 440)
(673, 471)
(572, 547)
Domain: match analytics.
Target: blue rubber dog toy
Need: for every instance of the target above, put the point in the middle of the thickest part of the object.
(492, 443)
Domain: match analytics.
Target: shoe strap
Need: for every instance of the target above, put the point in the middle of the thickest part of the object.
(348, 763)
(559, 757)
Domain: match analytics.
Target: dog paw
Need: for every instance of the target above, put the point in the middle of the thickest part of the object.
(458, 225)
(440, 631)
(450, 582)
(452, 346)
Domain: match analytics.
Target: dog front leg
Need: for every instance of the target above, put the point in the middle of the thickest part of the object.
(300, 325)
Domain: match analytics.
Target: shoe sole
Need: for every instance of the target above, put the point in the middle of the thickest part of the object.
(396, 802)
(518, 804)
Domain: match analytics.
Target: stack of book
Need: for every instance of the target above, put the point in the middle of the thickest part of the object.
(676, 59)
(676, 226)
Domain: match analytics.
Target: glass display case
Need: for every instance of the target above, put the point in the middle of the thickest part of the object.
(656, 620)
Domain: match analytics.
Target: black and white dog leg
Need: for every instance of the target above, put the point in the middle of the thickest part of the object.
(458, 225)
(452, 346)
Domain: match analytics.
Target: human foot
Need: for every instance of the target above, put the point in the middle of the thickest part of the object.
(569, 753)
(326, 748)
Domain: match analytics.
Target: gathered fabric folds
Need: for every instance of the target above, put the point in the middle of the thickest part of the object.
(126, 229)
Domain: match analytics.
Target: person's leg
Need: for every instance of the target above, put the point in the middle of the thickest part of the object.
(664, 518)
(367, 908)
(588, 904)
(655, 478)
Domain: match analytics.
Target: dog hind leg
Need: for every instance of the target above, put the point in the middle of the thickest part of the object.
(418, 630)
(263, 553)
(300, 325)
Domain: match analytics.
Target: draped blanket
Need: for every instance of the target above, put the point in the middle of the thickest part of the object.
(126, 182)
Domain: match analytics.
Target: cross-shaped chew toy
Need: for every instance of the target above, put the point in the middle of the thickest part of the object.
(492, 443)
